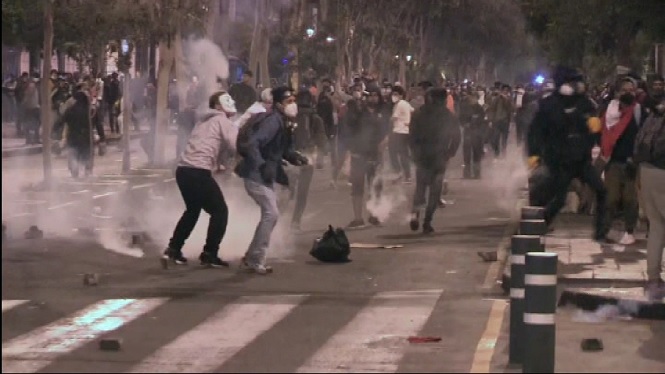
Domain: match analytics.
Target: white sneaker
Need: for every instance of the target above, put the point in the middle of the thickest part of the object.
(627, 239)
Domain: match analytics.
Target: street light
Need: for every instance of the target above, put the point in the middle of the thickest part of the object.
(330, 39)
(310, 32)
(408, 58)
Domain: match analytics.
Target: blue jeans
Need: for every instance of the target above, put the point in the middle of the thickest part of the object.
(266, 198)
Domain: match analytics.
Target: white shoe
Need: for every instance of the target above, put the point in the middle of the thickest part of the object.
(627, 239)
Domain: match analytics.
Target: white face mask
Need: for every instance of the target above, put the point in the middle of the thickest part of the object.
(291, 110)
(227, 103)
(566, 89)
(395, 98)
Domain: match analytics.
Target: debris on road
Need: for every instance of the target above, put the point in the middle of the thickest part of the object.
(33, 233)
(90, 279)
(488, 256)
(110, 344)
(423, 339)
(376, 246)
(592, 345)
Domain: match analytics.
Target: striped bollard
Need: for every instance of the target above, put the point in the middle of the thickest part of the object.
(520, 246)
(533, 212)
(533, 227)
(539, 310)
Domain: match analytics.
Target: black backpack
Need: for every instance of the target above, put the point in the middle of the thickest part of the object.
(333, 246)
(253, 123)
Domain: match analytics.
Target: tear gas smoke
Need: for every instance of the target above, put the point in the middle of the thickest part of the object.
(507, 177)
(393, 196)
(205, 60)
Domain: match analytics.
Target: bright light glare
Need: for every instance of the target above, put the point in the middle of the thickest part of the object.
(540, 79)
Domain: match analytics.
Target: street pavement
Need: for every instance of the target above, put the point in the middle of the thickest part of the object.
(306, 317)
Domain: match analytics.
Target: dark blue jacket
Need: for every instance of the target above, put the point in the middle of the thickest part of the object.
(269, 144)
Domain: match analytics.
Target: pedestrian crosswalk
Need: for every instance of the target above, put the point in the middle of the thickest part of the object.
(372, 339)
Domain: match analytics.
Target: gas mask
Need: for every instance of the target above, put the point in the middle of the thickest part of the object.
(227, 103)
(291, 110)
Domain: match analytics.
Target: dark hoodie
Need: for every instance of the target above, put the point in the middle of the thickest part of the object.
(434, 135)
(77, 118)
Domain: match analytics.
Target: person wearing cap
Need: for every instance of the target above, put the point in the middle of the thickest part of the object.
(561, 138)
(199, 189)
(268, 145)
(243, 93)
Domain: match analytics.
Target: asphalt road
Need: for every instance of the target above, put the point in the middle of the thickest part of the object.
(306, 316)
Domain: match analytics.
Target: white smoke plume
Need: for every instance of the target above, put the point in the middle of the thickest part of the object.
(507, 177)
(205, 60)
(393, 195)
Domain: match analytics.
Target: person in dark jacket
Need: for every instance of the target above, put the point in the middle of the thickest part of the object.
(243, 93)
(434, 138)
(308, 137)
(560, 138)
(262, 167)
(368, 138)
(79, 134)
(472, 119)
(326, 109)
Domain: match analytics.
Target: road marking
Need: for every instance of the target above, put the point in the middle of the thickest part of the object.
(61, 205)
(482, 359)
(37, 349)
(142, 186)
(376, 338)
(103, 195)
(213, 342)
(28, 202)
(11, 304)
(79, 192)
(24, 214)
(169, 180)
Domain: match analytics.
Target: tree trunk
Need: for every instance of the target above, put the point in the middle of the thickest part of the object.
(61, 60)
(263, 58)
(295, 33)
(180, 71)
(166, 57)
(254, 49)
(152, 64)
(46, 94)
(402, 71)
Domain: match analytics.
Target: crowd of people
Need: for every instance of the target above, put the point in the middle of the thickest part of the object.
(605, 144)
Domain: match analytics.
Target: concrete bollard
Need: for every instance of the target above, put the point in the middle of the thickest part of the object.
(533, 227)
(539, 310)
(520, 246)
(533, 212)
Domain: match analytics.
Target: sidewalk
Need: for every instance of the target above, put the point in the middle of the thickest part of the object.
(599, 286)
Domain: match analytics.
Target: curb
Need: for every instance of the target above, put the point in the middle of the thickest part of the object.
(36, 149)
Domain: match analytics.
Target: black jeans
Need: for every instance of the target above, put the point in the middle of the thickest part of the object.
(559, 181)
(500, 131)
(305, 174)
(200, 191)
(364, 171)
(472, 148)
(400, 159)
(432, 180)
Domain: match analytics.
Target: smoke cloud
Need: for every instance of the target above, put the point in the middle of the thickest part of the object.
(205, 60)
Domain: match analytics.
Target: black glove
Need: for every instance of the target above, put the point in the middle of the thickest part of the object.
(268, 172)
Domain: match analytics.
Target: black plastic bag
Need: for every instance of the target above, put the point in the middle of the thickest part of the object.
(333, 246)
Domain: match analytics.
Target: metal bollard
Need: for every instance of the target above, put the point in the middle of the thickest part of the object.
(533, 212)
(520, 246)
(533, 227)
(539, 310)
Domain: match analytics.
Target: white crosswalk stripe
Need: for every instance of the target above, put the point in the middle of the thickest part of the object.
(37, 349)
(11, 304)
(374, 340)
(211, 343)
